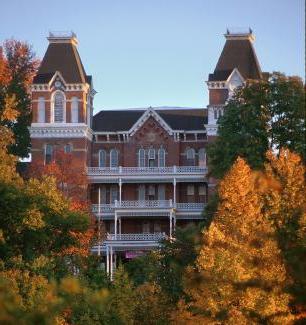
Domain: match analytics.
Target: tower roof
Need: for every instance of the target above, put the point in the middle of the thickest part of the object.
(238, 52)
(62, 55)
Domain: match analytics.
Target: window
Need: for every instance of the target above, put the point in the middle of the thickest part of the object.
(190, 156)
(114, 158)
(202, 157)
(141, 192)
(151, 192)
(202, 190)
(48, 154)
(141, 158)
(102, 158)
(58, 110)
(151, 157)
(41, 110)
(161, 192)
(190, 190)
(161, 157)
(74, 110)
(146, 227)
(215, 114)
(68, 148)
(103, 194)
(157, 227)
(113, 194)
(220, 113)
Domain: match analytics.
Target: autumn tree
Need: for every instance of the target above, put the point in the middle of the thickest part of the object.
(239, 276)
(17, 68)
(262, 115)
(285, 206)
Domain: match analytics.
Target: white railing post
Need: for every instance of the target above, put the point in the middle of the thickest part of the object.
(120, 189)
(115, 225)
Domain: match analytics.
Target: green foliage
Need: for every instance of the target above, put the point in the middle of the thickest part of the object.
(261, 115)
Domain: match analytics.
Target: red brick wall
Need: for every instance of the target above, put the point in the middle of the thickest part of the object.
(217, 96)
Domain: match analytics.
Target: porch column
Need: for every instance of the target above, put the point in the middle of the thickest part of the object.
(174, 191)
(174, 221)
(99, 222)
(170, 222)
(107, 260)
(120, 226)
(120, 190)
(116, 219)
(111, 263)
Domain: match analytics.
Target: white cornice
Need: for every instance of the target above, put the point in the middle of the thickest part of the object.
(60, 130)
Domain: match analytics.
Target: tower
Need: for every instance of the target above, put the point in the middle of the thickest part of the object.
(62, 103)
(237, 64)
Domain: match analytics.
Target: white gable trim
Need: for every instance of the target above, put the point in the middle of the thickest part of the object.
(233, 72)
(144, 117)
(57, 74)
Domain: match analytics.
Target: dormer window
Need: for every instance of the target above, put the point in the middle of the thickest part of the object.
(59, 107)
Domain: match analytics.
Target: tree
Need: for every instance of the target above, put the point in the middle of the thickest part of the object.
(239, 275)
(261, 115)
(285, 206)
(19, 67)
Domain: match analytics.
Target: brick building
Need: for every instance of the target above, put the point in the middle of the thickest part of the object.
(146, 167)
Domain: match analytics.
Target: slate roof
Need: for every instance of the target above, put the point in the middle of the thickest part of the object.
(123, 120)
(62, 57)
(240, 54)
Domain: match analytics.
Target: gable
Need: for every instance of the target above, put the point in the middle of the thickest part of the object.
(151, 132)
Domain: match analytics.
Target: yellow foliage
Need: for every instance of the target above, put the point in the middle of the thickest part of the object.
(239, 276)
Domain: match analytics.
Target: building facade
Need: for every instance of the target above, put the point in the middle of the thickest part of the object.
(147, 168)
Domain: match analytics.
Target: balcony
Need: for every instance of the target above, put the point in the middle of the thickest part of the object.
(136, 237)
(136, 174)
(153, 207)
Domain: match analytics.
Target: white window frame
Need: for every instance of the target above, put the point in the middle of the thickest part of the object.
(114, 154)
(161, 157)
(74, 110)
(53, 106)
(104, 152)
(202, 157)
(141, 157)
(41, 110)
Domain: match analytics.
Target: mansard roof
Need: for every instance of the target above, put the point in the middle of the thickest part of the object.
(238, 52)
(123, 120)
(62, 57)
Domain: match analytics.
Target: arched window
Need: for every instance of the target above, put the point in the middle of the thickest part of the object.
(74, 110)
(190, 156)
(114, 161)
(161, 157)
(215, 114)
(41, 110)
(151, 157)
(59, 108)
(141, 158)
(202, 157)
(102, 158)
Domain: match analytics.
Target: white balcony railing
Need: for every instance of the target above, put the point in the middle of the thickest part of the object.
(149, 204)
(141, 237)
(128, 171)
(144, 204)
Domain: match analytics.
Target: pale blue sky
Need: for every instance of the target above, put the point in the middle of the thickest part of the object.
(159, 52)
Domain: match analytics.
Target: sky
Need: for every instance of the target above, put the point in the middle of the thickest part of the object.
(145, 53)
